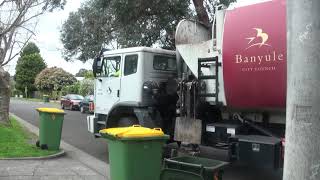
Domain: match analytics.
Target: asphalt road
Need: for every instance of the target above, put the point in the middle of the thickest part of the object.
(75, 133)
(74, 129)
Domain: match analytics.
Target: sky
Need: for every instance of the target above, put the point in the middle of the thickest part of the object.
(48, 40)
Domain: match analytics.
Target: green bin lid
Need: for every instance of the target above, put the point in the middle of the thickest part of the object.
(51, 110)
(135, 131)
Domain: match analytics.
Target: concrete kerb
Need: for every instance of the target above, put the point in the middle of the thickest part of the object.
(91, 162)
(56, 155)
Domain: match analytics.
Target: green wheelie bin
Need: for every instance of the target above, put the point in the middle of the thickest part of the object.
(45, 98)
(135, 153)
(51, 121)
(192, 168)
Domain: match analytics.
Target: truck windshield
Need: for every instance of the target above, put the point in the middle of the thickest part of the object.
(165, 63)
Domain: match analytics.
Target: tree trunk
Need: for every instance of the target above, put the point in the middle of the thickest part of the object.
(201, 12)
(4, 96)
(302, 151)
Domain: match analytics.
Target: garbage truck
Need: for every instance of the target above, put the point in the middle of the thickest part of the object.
(224, 86)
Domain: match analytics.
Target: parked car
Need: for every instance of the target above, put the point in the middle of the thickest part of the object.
(87, 104)
(71, 101)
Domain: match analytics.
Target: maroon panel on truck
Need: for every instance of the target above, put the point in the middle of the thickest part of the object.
(254, 56)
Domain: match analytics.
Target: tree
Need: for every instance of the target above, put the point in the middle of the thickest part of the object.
(205, 9)
(53, 79)
(125, 23)
(81, 73)
(86, 87)
(29, 65)
(4, 95)
(30, 48)
(89, 75)
(17, 24)
(201, 12)
(16, 28)
(71, 89)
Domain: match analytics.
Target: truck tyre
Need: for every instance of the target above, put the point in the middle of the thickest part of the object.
(126, 121)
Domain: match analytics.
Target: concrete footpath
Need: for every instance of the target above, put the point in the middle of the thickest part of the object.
(74, 165)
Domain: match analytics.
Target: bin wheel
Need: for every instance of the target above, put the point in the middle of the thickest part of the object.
(38, 143)
(43, 146)
(126, 121)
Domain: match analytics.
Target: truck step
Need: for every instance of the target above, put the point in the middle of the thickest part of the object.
(101, 122)
(208, 95)
(207, 77)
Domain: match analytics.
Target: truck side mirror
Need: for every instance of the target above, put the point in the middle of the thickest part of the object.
(97, 66)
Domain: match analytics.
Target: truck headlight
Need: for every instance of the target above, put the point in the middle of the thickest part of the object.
(150, 87)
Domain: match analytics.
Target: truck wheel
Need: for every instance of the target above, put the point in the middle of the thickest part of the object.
(127, 121)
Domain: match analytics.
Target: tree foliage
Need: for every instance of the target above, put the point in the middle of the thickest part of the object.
(210, 7)
(86, 87)
(71, 89)
(81, 72)
(29, 65)
(89, 75)
(18, 20)
(226, 2)
(30, 48)
(53, 79)
(127, 23)
(17, 24)
(121, 23)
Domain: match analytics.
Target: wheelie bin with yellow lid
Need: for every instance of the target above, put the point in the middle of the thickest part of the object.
(50, 127)
(135, 153)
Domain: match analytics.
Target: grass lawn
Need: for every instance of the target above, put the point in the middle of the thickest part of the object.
(16, 141)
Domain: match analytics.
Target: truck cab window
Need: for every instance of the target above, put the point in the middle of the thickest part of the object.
(164, 63)
(111, 66)
(130, 64)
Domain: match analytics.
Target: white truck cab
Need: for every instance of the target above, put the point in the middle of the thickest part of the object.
(126, 81)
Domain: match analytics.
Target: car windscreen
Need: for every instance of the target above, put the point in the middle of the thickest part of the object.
(76, 97)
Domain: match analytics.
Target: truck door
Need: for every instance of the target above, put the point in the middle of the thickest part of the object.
(108, 85)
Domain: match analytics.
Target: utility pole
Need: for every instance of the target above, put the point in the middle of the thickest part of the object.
(302, 148)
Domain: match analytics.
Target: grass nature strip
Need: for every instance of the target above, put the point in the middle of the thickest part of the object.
(16, 141)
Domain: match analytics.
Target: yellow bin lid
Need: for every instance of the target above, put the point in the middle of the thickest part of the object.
(51, 110)
(135, 131)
